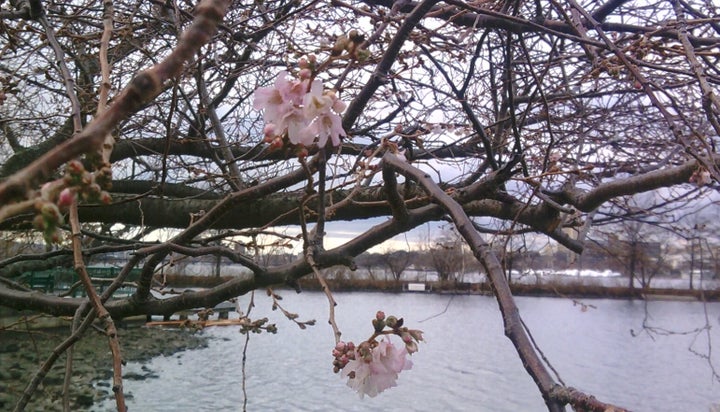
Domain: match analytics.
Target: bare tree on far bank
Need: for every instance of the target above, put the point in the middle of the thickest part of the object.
(397, 261)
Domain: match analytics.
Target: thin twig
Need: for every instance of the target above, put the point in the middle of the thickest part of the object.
(105, 85)
(244, 353)
(110, 329)
(67, 76)
(328, 293)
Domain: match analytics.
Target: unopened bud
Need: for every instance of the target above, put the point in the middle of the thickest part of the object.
(276, 143)
(302, 153)
(269, 130)
(416, 334)
(53, 236)
(86, 178)
(39, 222)
(105, 198)
(378, 324)
(75, 168)
(50, 212)
(94, 190)
(66, 197)
(104, 177)
(340, 44)
(305, 74)
(362, 55)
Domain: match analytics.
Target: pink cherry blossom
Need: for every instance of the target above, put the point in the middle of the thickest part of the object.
(281, 103)
(372, 375)
(304, 116)
(295, 123)
(322, 109)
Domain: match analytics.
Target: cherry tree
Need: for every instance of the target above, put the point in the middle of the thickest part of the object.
(169, 129)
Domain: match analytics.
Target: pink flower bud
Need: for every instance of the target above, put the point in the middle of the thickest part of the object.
(87, 178)
(53, 237)
(302, 153)
(105, 198)
(270, 130)
(380, 315)
(277, 143)
(67, 196)
(305, 74)
(75, 168)
(50, 212)
(416, 334)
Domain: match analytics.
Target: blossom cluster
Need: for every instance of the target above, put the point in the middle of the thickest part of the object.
(300, 110)
(701, 177)
(56, 196)
(374, 365)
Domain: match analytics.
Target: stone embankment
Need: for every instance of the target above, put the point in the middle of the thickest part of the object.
(21, 353)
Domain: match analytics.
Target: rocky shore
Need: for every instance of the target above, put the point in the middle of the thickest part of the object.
(21, 353)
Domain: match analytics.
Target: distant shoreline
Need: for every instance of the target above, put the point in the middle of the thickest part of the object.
(560, 290)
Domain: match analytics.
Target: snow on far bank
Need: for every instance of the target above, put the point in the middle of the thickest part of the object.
(590, 277)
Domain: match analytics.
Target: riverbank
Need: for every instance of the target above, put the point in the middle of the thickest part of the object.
(22, 351)
(575, 288)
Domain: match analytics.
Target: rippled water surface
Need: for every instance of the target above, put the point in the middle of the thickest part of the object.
(466, 364)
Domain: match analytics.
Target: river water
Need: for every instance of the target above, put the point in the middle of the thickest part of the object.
(467, 364)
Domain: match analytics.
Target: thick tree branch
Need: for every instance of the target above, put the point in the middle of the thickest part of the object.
(511, 315)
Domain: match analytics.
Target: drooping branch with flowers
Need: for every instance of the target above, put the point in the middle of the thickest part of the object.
(373, 365)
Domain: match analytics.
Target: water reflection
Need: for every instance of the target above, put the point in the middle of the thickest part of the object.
(467, 363)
